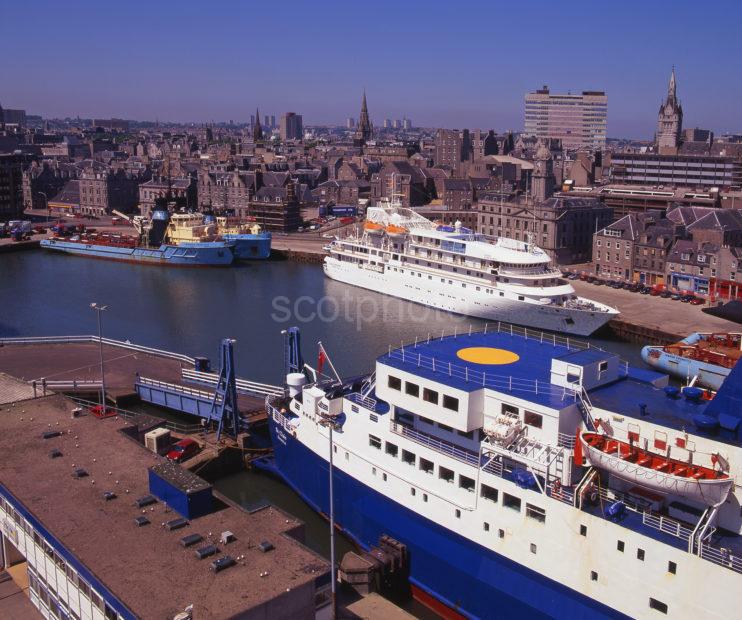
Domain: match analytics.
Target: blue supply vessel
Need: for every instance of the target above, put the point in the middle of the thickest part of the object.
(250, 241)
(151, 247)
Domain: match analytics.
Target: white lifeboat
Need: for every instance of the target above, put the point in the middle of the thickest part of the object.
(656, 472)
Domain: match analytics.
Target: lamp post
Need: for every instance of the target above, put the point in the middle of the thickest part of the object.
(100, 309)
(330, 424)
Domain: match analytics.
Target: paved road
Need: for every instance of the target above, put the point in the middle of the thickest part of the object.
(655, 312)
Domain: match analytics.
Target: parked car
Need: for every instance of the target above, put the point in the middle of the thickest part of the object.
(645, 290)
(572, 276)
(686, 298)
(697, 301)
(655, 292)
(184, 449)
(616, 284)
(598, 282)
(666, 294)
(676, 297)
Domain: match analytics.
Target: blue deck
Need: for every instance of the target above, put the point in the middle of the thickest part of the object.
(528, 378)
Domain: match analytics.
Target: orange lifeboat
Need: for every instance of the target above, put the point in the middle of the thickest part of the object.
(396, 231)
(655, 471)
(373, 228)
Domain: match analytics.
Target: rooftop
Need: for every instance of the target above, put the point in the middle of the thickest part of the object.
(146, 568)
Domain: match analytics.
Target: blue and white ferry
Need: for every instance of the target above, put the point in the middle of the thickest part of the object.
(529, 476)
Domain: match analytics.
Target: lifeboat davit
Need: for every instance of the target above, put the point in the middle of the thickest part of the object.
(656, 472)
(373, 228)
(396, 231)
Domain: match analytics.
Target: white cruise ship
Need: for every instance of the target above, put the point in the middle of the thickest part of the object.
(403, 254)
(528, 475)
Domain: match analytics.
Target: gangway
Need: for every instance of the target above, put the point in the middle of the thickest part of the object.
(219, 405)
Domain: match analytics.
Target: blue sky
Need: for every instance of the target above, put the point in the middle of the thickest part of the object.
(451, 64)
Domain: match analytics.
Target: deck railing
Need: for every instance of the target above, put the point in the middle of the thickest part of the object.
(478, 377)
(721, 556)
(363, 401)
(440, 445)
(244, 386)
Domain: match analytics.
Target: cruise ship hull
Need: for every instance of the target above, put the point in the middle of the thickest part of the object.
(439, 295)
(249, 246)
(443, 565)
(208, 254)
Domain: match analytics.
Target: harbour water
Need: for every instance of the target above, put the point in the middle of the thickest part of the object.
(190, 310)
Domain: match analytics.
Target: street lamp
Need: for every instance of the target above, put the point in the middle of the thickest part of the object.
(100, 309)
(330, 424)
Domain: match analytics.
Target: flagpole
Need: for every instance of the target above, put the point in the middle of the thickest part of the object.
(329, 361)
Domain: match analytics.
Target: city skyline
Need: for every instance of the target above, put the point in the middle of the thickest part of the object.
(163, 66)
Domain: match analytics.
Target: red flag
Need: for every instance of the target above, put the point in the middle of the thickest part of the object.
(320, 360)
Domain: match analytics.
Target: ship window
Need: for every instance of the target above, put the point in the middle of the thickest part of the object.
(583, 530)
(533, 419)
(443, 427)
(458, 513)
(672, 568)
(509, 409)
(501, 533)
(395, 383)
(603, 367)
(640, 554)
(593, 575)
(449, 402)
(426, 420)
(374, 442)
(411, 388)
(466, 483)
(533, 548)
(536, 513)
(383, 477)
(658, 605)
(520, 298)
(412, 491)
(426, 465)
(445, 474)
(425, 497)
(391, 449)
(487, 492)
(408, 457)
(468, 435)
(620, 545)
(486, 526)
(510, 501)
(430, 396)
(354, 408)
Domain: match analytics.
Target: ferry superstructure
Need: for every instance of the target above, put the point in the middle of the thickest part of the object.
(403, 254)
(529, 476)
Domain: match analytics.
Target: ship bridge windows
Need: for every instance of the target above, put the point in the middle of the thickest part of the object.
(511, 501)
(533, 419)
(408, 457)
(395, 383)
(466, 483)
(391, 449)
(658, 605)
(451, 403)
(445, 474)
(488, 493)
(430, 396)
(412, 389)
(374, 442)
(536, 513)
(426, 466)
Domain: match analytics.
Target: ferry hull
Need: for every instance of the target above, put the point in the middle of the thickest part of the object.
(438, 295)
(213, 254)
(250, 247)
(467, 578)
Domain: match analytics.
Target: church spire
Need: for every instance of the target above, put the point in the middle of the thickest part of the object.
(364, 124)
(672, 87)
(257, 130)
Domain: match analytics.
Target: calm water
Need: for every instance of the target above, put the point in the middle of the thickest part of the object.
(190, 310)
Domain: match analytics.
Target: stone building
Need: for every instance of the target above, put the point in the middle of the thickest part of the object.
(184, 189)
(543, 174)
(400, 180)
(104, 188)
(452, 149)
(562, 225)
(43, 180)
(346, 192)
(457, 193)
(275, 208)
(11, 184)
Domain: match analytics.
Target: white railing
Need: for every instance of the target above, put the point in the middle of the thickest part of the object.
(666, 525)
(478, 377)
(440, 445)
(363, 401)
(94, 339)
(566, 440)
(175, 387)
(721, 556)
(243, 385)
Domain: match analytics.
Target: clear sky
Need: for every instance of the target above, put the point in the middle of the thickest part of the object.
(451, 64)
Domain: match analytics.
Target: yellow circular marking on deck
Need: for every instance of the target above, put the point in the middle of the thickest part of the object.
(487, 355)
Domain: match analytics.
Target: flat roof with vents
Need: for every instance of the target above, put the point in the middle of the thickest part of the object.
(127, 547)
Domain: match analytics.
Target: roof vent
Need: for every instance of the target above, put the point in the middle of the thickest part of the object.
(55, 454)
(205, 552)
(266, 546)
(109, 495)
(140, 521)
(227, 537)
(79, 473)
(146, 501)
(191, 539)
(50, 434)
(175, 524)
(222, 563)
